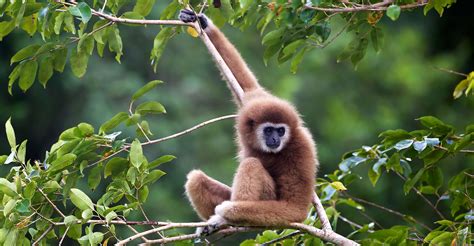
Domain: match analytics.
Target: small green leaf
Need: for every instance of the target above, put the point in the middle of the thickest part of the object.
(28, 74)
(411, 182)
(153, 176)
(79, 61)
(150, 108)
(143, 194)
(81, 10)
(62, 162)
(60, 56)
(161, 160)
(80, 199)
(21, 154)
(7, 188)
(143, 7)
(377, 38)
(93, 180)
(25, 53)
(136, 154)
(373, 176)
(273, 37)
(393, 12)
(146, 88)
(420, 145)
(110, 216)
(23, 206)
(114, 122)
(70, 220)
(10, 134)
(45, 70)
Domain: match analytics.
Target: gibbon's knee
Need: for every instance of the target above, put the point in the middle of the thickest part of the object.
(252, 182)
(205, 193)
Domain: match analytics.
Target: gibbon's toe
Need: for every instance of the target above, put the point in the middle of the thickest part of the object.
(186, 15)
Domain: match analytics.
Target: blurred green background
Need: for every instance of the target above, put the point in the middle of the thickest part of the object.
(343, 107)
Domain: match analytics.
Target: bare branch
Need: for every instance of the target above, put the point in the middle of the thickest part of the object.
(381, 6)
(190, 129)
(35, 243)
(321, 212)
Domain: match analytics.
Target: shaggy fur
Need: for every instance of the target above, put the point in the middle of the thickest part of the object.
(269, 188)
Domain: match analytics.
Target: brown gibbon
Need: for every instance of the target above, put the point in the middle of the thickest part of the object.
(274, 183)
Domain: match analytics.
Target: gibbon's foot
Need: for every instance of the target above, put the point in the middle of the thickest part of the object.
(186, 15)
(222, 208)
(215, 223)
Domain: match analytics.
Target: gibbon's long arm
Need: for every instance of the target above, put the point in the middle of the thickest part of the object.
(226, 49)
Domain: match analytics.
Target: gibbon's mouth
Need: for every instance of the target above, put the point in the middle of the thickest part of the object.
(273, 146)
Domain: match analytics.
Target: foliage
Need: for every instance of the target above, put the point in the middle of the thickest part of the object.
(37, 193)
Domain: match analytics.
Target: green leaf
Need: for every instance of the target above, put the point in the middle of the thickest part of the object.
(12, 236)
(115, 166)
(60, 56)
(378, 164)
(22, 152)
(153, 176)
(143, 7)
(159, 44)
(114, 122)
(136, 154)
(411, 182)
(70, 220)
(150, 108)
(23, 206)
(62, 162)
(81, 10)
(297, 59)
(307, 15)
(28, 74)
(373, 176)
(24, 53)
(290, 48)
(146, 88)
(115, 42)
(10, 133)
(86, 44)
(273, 37)
(161, 160)
(110, 216)
(93, 180)
(5, 28)
(436, 125)
(7, 188)
(143, 194)
(80, 199)
(79, 61)
(45, 70)
(377, 38)
(393, 12)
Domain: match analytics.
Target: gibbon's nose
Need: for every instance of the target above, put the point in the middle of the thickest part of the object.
(273, 142)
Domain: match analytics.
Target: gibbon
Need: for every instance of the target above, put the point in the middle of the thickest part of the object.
(274, 183)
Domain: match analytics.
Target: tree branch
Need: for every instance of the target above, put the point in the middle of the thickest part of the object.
(381, 6)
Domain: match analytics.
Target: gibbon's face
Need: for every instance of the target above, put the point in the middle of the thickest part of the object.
(267, 124)
(272, 137)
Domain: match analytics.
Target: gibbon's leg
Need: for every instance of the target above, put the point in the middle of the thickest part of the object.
(252, 182)
(265, 213)
(205, 193)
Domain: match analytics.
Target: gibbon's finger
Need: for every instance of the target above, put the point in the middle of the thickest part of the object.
(186, 15)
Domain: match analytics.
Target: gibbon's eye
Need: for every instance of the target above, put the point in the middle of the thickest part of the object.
(281, 131)
(268, 130)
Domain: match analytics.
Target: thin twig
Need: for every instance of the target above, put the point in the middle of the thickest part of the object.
(290, 235)
(190, 129)
(404, 216)
(424, 198)
(64, 236)
(35, 243)
(381, 6)
(50, 202)
(450, 71)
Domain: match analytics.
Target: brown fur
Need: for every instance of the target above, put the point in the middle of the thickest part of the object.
(269, 188)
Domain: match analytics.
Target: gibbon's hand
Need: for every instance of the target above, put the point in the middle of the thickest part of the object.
(215, 223)
(186, 15)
